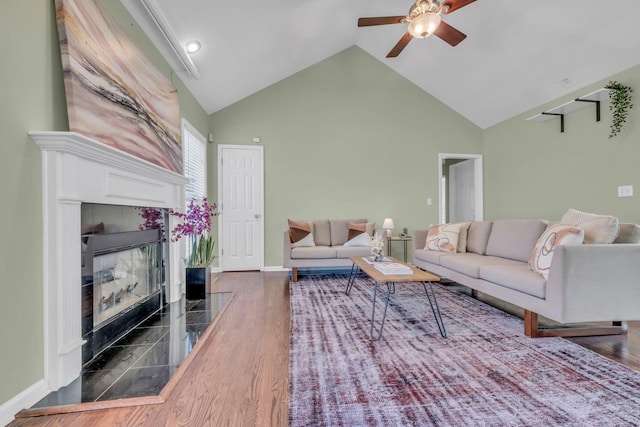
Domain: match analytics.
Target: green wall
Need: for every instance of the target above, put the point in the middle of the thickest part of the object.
(346, 138)
(33, 99)
(531, 170)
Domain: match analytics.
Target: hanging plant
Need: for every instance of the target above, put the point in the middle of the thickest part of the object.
(620, 96)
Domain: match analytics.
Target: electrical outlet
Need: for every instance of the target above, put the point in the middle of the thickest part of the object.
(625, 191)
(429, 201)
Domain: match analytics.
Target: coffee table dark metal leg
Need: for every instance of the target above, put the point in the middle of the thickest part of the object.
(435, 308)
(384, 313)
(352, 278)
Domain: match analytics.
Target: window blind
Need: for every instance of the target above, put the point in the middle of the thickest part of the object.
(194, 163)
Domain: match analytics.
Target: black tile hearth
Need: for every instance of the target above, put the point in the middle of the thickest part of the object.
(142, 362)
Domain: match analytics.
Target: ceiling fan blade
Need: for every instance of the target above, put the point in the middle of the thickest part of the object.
(449, 34)
(456, 4)
(381, 20)
(404, 41)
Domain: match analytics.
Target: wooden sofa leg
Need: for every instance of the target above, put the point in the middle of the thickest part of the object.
(294, 274)
(531, 324)
(532, 329)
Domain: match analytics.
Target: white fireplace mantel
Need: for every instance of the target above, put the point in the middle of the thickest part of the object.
(75, 170)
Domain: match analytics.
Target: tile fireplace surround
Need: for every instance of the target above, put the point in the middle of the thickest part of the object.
(76, 170)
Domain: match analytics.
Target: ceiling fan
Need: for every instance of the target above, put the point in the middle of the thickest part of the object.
(424, 19)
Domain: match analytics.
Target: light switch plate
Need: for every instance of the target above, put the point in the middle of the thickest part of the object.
(625, 191)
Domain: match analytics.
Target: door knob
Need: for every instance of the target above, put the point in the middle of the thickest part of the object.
(256, 216)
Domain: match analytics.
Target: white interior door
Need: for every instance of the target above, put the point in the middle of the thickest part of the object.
(462, 192)
(241, 188)
(460, 189)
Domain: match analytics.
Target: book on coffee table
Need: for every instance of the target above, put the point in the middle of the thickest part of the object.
(393, 268)
(372, 259)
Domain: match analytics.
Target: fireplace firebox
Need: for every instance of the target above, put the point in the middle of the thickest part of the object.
(122, 277)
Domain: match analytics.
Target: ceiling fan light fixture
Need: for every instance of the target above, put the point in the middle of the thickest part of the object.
(424, 25)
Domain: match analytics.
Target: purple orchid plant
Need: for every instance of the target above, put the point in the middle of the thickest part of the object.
(196, 225)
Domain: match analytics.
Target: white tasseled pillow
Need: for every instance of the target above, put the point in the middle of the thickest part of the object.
(597, 228)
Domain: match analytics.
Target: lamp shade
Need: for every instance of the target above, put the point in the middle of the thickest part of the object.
(424, 25)
(387, 224)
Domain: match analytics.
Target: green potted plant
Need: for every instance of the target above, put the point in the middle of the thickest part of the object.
(195, 224)
(620, 96)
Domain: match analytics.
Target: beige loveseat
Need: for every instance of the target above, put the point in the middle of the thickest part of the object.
(329, 250)
(586, 282)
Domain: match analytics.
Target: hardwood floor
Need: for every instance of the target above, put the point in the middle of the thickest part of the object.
(240, 376)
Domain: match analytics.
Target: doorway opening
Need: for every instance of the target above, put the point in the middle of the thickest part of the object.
(460, 190)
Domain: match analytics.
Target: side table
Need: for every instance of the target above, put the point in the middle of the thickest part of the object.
(404, 240)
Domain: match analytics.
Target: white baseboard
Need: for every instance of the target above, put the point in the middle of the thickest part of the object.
(276, 268)
(26, 399)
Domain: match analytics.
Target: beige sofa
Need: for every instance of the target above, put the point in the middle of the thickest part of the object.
(586, 283)
(329, 236)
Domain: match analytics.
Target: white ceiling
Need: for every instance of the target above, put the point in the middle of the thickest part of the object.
(514, 58)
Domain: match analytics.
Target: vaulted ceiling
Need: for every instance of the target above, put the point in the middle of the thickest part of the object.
(518, 54)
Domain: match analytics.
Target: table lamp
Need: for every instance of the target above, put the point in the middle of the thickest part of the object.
(388, 225)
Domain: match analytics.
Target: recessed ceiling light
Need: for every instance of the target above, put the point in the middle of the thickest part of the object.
(193, 47)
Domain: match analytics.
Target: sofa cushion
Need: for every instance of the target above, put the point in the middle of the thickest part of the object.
(515, 276)
(300, 233)
(462, 236)
(316, 252)
(553, 236)
(443, 238)
(321, 232)
(597, 228)
(469, 263)
(629, 233)
(478, 236)
(340, 231)
(514, 239)
(429, 256)
(349, 251)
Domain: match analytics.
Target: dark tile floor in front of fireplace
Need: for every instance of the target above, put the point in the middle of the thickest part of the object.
(141, 363)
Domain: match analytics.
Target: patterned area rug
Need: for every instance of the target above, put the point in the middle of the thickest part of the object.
(486, 373)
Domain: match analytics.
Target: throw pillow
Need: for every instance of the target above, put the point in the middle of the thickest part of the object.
(354, 230)
(597, 228)
(554, 236)
(300, 234)
(340, 229)
(358, 234)
(443, 238)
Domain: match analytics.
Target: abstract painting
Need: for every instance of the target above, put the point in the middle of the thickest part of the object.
(115, 95)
